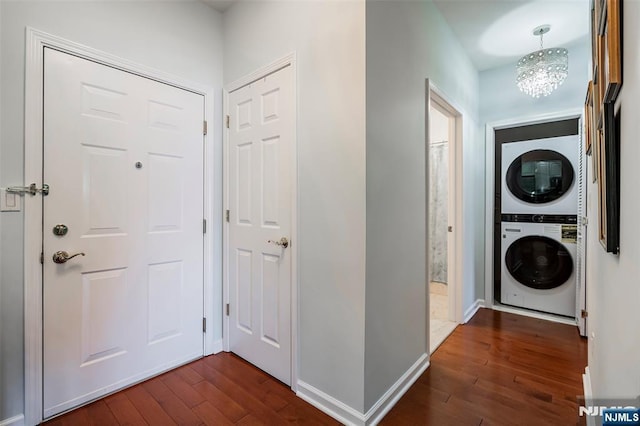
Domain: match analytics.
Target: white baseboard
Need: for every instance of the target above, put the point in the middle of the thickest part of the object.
(395, 392)
(471, 310)
(217, 347)
(350, 416)
(588, 393)
(13, 421)
(534, 314)
(329, 405)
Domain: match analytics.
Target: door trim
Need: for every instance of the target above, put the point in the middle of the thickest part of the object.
(490, 187)
(443, 102)
(286, 61)
(36, 41)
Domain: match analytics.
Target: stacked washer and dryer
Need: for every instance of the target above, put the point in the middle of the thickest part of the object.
(539, 202)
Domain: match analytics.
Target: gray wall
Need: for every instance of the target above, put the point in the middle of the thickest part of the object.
(328, 38)
(180, 38)
(613, 290)
(408, 42)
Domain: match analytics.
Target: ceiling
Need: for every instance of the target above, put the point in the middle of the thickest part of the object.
(498, 32)
(219, 5)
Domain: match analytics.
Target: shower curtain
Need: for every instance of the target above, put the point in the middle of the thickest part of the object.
(438, 209)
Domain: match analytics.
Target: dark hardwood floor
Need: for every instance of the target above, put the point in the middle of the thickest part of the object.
(222, 389)
(498, 369)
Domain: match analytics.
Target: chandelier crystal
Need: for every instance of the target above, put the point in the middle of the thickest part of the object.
(542, 71)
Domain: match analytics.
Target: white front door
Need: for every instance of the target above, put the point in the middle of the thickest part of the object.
(123, 156)
(260, 202)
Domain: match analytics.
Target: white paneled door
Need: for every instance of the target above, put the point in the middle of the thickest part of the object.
(123, 156)
(260, 202)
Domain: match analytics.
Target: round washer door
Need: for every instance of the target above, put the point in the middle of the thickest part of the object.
(539, 176)
(539, 262)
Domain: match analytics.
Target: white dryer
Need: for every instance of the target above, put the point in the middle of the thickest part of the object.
(539, 176)
(538, 266)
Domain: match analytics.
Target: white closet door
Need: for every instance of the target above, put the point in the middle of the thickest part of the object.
(260, 201)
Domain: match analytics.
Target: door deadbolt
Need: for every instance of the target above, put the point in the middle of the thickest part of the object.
(60, 230)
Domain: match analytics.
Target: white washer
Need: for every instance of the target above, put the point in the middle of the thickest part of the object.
(539, 176)
(538, 267)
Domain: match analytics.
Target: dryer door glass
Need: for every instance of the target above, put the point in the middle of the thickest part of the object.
(539, 262)
(540, 176)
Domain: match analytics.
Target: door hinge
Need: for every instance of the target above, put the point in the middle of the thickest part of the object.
(228, 120)
(41, 258)
(227, 214)
(205, 127)
(584, 313)
(585, 220)
(204, 325)
(204, 226)
(227, 309)
(449, 228)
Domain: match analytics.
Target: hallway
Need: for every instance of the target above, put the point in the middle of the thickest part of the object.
(499, 368)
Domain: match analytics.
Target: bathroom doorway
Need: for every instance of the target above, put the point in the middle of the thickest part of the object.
(441, 211)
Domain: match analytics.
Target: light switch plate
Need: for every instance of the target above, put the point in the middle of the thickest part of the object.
(9, 202)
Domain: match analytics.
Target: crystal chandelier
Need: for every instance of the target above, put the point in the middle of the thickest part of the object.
(541, 72)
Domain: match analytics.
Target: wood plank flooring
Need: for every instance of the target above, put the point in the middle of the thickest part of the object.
(498, 369)
(222, 389)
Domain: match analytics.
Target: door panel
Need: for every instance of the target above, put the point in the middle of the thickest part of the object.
(123, 157)
(244, 290)
(105, 211)
(104, 296)
(260, 201)
(270, 299)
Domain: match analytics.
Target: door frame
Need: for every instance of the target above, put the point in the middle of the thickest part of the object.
(286, 61)
(455, 268)
(583, 222)
(36, 41)
(489, 200)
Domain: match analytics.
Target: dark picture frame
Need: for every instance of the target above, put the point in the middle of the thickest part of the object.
(602, 123)
(609, 181)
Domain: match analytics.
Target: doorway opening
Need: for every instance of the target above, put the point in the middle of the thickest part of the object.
(443, 291)
(544, 129)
